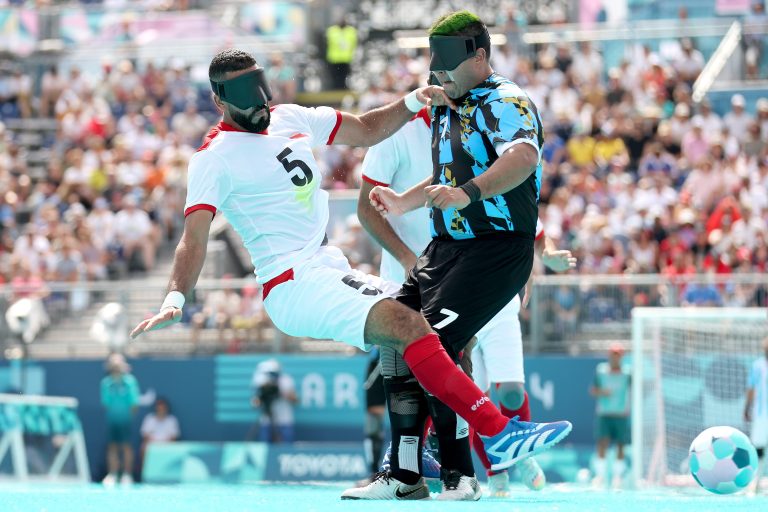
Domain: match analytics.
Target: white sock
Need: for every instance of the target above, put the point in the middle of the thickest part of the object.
(618, 468)
(600, 467)
(408, 453)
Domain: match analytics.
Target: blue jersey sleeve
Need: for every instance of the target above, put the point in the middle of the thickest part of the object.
(511, 118)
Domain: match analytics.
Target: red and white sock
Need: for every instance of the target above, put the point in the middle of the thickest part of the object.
(439, 375)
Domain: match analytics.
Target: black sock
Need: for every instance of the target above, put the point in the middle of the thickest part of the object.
(408, 411)
(455, 451)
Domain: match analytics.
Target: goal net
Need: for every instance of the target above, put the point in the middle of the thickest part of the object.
(41, 438)
(689, 372)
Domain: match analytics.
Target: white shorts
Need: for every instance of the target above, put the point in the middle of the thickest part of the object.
(327, 299)
(498, 354)
(758, 433)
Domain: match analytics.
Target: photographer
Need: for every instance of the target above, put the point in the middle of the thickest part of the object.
(275, 394)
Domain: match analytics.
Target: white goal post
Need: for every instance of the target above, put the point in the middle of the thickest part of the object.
(41, 438)
(689, 372)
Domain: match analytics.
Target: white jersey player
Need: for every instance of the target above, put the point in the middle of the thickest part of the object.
(756, 409)
(257, 168)
(400, 162)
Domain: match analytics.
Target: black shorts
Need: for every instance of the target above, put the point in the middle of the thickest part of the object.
(459, 285)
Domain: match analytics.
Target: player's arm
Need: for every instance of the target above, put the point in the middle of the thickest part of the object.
(511, 169)
(552, 258)
(376, 125)
(385, 200)
(187, 264)
(381, 230)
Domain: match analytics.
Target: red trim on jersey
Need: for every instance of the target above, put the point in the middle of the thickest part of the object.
(335, 129)
(298, 135)
(222, 127)
(424, 115)
(282, 278)
(201, 206)
(540, 235)
(212, 133)
(374, 182)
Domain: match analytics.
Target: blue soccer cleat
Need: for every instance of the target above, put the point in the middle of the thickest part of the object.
(521, 439)
(430, 468)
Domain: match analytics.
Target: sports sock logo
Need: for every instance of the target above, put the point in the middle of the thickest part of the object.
(481, 401)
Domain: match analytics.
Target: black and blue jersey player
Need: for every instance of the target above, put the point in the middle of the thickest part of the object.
(483, 195)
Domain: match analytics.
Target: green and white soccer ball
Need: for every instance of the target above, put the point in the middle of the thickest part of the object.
(723, 460)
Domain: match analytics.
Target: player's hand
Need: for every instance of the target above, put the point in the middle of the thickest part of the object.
(164, 318)
(386, 201)
(528, 290)
(558, 261)
(434, 96)
(445, 197)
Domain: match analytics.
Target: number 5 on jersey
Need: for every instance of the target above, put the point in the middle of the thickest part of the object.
(297, 170)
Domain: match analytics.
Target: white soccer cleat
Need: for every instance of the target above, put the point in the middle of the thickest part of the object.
(126, 479)
(458, 487)
(110, 480)
(531, 474)
(386, 487)
(498, 485)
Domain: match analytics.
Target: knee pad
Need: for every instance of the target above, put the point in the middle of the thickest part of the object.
(511, 394)
(393, 364)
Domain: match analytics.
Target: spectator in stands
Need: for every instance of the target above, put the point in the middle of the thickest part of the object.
(737, 120)
(133, 232)
(120, 398)
(274, 394)
(690, 62)
(251, 319)
(220, 307)
(159, 426)
(282, 80)
(190, 126)
(341, 43)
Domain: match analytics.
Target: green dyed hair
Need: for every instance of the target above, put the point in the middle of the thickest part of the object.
(461, 23)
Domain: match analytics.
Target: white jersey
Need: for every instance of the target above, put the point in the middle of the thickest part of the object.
(400, 162)
(267, 185)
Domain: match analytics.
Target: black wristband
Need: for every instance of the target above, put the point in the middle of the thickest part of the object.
(472, 190)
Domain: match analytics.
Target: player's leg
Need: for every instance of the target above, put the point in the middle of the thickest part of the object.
(333, 304)
(759, 436)
(620, 433)
(407, 412)
(603, 442)
(465, 300)
(113, 460)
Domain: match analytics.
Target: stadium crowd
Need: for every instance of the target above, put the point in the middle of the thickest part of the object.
(637, 177)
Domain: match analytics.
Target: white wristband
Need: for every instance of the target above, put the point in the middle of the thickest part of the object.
(412, 103)
(174, 299)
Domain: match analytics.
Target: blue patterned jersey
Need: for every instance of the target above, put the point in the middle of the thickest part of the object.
(491, 118)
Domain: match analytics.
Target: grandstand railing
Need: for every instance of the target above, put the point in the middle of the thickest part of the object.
(567, 314)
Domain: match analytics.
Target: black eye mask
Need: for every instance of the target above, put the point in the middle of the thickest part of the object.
(245, 91)
(447, 52)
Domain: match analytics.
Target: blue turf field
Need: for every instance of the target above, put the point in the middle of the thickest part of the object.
(325, 498)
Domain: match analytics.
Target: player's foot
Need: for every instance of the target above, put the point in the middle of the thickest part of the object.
(521, 439)
(126, 479)
(430, 468)
(498, 484)
(385, 487)
(617, 482)
(531, 474)
(110, 480)
(458, 487)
